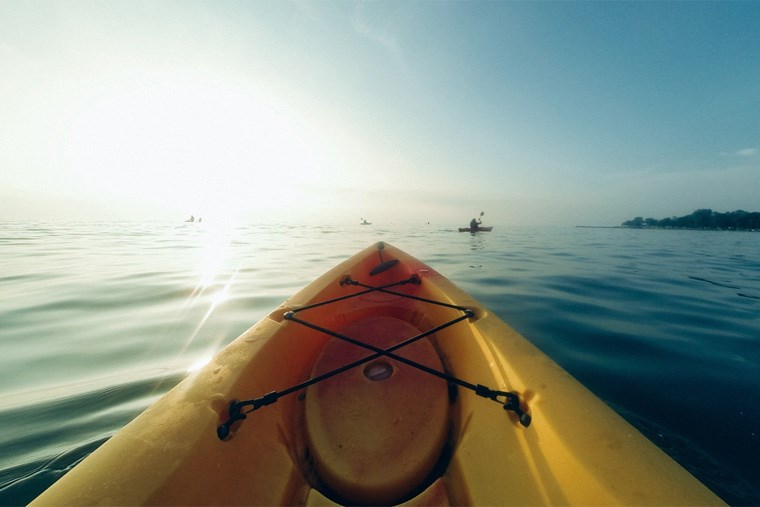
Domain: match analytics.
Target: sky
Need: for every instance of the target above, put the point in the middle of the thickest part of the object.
(537, 113)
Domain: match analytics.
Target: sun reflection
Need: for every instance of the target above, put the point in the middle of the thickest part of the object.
(214, 254)
(199, 363)
(212, 289)
(220, 296)
(216, 299)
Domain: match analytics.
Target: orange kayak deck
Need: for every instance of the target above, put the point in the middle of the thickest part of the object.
(428, 406)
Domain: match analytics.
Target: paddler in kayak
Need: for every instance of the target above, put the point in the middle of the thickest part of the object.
(475, 222)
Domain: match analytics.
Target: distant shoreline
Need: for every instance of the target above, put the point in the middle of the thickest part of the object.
(656, 228)
(702, 219)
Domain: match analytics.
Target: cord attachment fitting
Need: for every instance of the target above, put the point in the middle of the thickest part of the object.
(510, 402)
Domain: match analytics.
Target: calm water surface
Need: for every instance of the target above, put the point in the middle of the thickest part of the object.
(98, 320)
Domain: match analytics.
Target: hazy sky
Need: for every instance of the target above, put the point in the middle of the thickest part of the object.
(535, 112)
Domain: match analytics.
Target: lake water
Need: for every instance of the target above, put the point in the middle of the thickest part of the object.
(97, 320)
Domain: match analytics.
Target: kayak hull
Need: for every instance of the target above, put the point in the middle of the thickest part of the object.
(345, 439)
(480, 229)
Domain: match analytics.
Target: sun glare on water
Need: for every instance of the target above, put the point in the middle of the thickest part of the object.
(215, 277)
(199, 363)
(213, 269)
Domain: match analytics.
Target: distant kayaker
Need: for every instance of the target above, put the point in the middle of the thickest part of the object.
(475, 222)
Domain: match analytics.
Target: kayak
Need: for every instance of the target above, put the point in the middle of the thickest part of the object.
(381, 382)
(480, 229)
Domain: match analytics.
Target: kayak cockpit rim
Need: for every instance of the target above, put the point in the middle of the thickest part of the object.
(510, 401)
(376, 364)
(377, 369)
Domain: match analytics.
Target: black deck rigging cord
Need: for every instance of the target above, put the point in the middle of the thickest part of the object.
(509, 400)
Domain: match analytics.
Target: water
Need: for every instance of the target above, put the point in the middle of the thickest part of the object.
(98, 320)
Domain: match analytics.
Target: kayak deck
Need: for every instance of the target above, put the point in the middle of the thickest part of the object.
(398, 423)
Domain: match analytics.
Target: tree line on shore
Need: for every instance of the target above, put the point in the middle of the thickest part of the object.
(702, 219)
